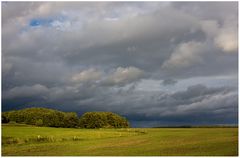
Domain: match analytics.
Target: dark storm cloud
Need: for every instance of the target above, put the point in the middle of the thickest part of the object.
(198, 104)
(86, 56)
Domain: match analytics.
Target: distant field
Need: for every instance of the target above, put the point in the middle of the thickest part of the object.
(25, 140)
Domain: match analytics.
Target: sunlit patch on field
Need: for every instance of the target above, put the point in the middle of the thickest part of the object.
(40, 134)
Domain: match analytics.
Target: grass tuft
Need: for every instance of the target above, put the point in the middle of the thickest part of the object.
(76, 138)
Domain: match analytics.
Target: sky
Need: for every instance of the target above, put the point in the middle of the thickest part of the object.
(155, 63)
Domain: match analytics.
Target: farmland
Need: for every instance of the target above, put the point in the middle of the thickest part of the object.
(27, 140)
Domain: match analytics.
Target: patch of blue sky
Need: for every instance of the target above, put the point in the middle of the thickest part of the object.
(40, 22)
(47, 22)
(60, 22)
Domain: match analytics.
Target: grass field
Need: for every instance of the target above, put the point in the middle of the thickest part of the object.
(25, 140)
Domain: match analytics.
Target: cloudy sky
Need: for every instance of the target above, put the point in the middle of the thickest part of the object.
(156, 63)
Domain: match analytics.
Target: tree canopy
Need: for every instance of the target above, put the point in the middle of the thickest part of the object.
(102, 120)
(43, 117)
(54, 118)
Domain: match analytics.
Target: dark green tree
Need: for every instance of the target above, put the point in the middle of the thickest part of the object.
(70, 120)
(102, 120)
(5, 119)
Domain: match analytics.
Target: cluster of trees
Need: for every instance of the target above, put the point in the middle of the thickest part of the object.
(54, 118)
(102, 120)
(42, 117)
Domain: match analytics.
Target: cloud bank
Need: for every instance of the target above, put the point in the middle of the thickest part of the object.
(157, 63)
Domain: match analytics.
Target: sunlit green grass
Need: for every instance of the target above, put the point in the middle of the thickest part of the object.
(26, 140)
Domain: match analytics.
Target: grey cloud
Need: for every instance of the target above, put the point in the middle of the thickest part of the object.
(209, 10)
(221, 22)
(219, 103)
(169, 82)
(158, 44)
(199, 103)
(25, 91)
(195, 101)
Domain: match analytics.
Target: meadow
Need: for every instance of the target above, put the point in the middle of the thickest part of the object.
(27, 140)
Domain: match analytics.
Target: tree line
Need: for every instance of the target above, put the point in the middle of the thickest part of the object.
(54, 118)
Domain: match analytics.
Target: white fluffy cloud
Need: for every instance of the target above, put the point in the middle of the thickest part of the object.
(224, 36)
(184, 55)
(123, 76)
(227, 39)
(87, 75)
(119, 76)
